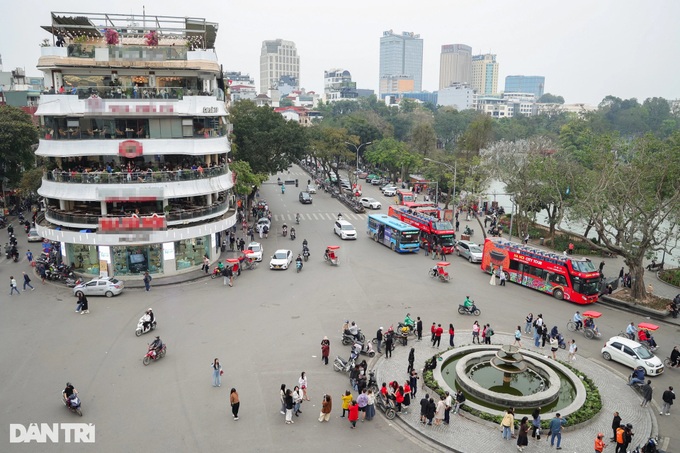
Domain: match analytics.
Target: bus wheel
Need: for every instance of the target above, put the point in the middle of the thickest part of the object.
(392, 246)
(559, 294)
(375, 237)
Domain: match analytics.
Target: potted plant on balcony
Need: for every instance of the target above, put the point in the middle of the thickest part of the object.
(112, 37)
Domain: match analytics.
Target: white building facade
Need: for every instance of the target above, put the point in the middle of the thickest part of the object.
(460, 96)
(136, 146)
(278, 58)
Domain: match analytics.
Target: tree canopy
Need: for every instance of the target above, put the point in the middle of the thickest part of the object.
(17, 135)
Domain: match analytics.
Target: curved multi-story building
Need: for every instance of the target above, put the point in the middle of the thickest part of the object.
(135, 144)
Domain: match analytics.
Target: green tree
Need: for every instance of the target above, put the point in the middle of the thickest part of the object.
(30, 181)
(264, 139)
(246, 181)
(392, 155)
(476, 136)
(548, 98)
(328, 146)
(286, 102)
(17, 136)
(423, 139)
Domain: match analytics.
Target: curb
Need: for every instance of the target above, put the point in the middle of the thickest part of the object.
(635, 308)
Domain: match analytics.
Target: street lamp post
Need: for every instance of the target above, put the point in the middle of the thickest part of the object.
(357, 148)
(455, 174)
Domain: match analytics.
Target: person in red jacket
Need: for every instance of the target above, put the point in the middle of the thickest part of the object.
(438, 336)
(399, 397)
(353, 414)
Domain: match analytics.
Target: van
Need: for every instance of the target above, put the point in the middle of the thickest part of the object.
(344, 229)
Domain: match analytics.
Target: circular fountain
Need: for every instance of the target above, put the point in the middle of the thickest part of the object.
(497, 377)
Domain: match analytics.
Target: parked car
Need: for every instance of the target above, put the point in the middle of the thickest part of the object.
(305, 198)
(469, 250)
(390, 192)
(311, 188)
(388, 185)
(344, 229)
(371, 203)
(255, 249)
(376, 181)
(33, 236)
(103, 286)
(632, 354)
(281, 259)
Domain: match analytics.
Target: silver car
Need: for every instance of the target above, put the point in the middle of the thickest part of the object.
(469, 250)
(104, 286)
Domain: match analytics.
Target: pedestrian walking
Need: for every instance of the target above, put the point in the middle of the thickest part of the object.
(419, 328)
(428, 248)
(624, 436)
(508, 423)
(492, 282)
(538, 332)
(536, 423)
(601, 266)
(544, 336)
(572, 351)
(439, 412)
(217, 373)
(297, 400)
(326, 406)
(82, 304)
(325, 350)
(452, 334)
(556, 425)
(554, 344)
(460, 400)
(503, 278)
(147, 281)
(411, 359)
(288, 400)
(27, 282)
(413, 383)
(647, 391)
(599, 443)
(230, 275)
(522, 437)
(518, 337)
(29, 257)
(389, 339)
(13, 286)
(448, 405)
(621, 273)
(206, 264)
(43, 273)
(489, 334)
(433, 328)
(235, 403)
(529, 322)
(616, 422)
(423, 408)
(353, 414)
(379, 339)
(282, 397)
(483, 333)
(370, 407)
(667, 397)
(437, 336)
(303, 385)
(475, 332)
(346, 400)
(362, 402)
(442, 253)
(431, 411)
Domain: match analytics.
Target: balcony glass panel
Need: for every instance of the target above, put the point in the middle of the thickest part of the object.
(136, 176)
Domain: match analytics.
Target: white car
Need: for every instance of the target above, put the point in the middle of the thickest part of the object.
(311, 188)
(33, 236)
(390, 192)
(469, 250)
(632, 354)
(281, 259)
(264, 221)
(104, 286)
(255, 249)
(371, 203)
(344, 229)
(389, 185)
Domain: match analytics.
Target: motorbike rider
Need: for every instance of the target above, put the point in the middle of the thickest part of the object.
(292, 233)
(284, 228)
(354, 330)
(631, 331)
(304, 244)
(410, 323)
(283, 189)
(298, 261)
(578, 320)
(297, 217)
(675, 357)
(68, 393)
(469, 304)
(146, 321)
(156, 346)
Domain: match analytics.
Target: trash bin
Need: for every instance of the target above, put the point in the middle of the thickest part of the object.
(541, 241)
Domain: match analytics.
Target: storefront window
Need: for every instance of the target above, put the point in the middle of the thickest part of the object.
(84, 258)
(189, 252)
(137, 259)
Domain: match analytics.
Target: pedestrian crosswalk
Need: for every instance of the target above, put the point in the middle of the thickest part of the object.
(323, 216)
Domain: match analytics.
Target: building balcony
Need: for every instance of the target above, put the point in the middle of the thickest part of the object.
(179, 215)
(142, 177)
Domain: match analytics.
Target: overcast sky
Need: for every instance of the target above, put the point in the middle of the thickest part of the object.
(585, 49)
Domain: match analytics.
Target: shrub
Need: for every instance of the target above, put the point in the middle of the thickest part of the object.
(671, 276)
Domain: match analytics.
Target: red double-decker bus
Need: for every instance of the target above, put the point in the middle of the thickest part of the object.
(432, 228)
(567, 278)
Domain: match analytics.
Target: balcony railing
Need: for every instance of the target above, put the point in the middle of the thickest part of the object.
(76, 133)
(127, 92)
(128, 53)
(175, 214)
(134, 177)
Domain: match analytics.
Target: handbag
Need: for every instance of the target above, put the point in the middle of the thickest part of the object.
(221, 372)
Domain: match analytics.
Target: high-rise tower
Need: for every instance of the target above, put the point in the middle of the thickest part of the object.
(278, 58)
(485, 74)
(401, 62)
(455, 65)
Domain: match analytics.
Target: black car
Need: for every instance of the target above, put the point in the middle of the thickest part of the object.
(305, 198)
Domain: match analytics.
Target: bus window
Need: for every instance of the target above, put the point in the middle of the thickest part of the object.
(515, 265)
(557, 278)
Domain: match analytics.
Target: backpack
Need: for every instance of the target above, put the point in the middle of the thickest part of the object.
(619, 435)
(489, 332)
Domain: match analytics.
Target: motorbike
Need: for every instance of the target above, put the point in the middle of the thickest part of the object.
(283, 189)
(216, 273)
(297, 219)
(73, 282)
(285, 231)
(344, 365)
(386, 405)
(140, 327)
(440, 272)
(372, 382)
(151, 355)
(298, 265)
(469, 231)
(365, 348)
(472, 311)
(73, 404)
(292, 234)
(407, 329)
(305, 253)
(348, 338)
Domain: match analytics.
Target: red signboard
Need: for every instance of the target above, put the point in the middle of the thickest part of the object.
(133, 223)
(130, 149)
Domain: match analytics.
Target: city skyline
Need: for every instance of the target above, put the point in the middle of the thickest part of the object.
(585, 51)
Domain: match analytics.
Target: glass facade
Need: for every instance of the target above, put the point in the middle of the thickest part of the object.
(525, 84)
(137, 259)
(190, 252)
(84, 258)
(402, 55)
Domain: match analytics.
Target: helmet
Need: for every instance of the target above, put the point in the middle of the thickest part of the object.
(629, 426)
(68, 384)
(158, 338)
(150, 309)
